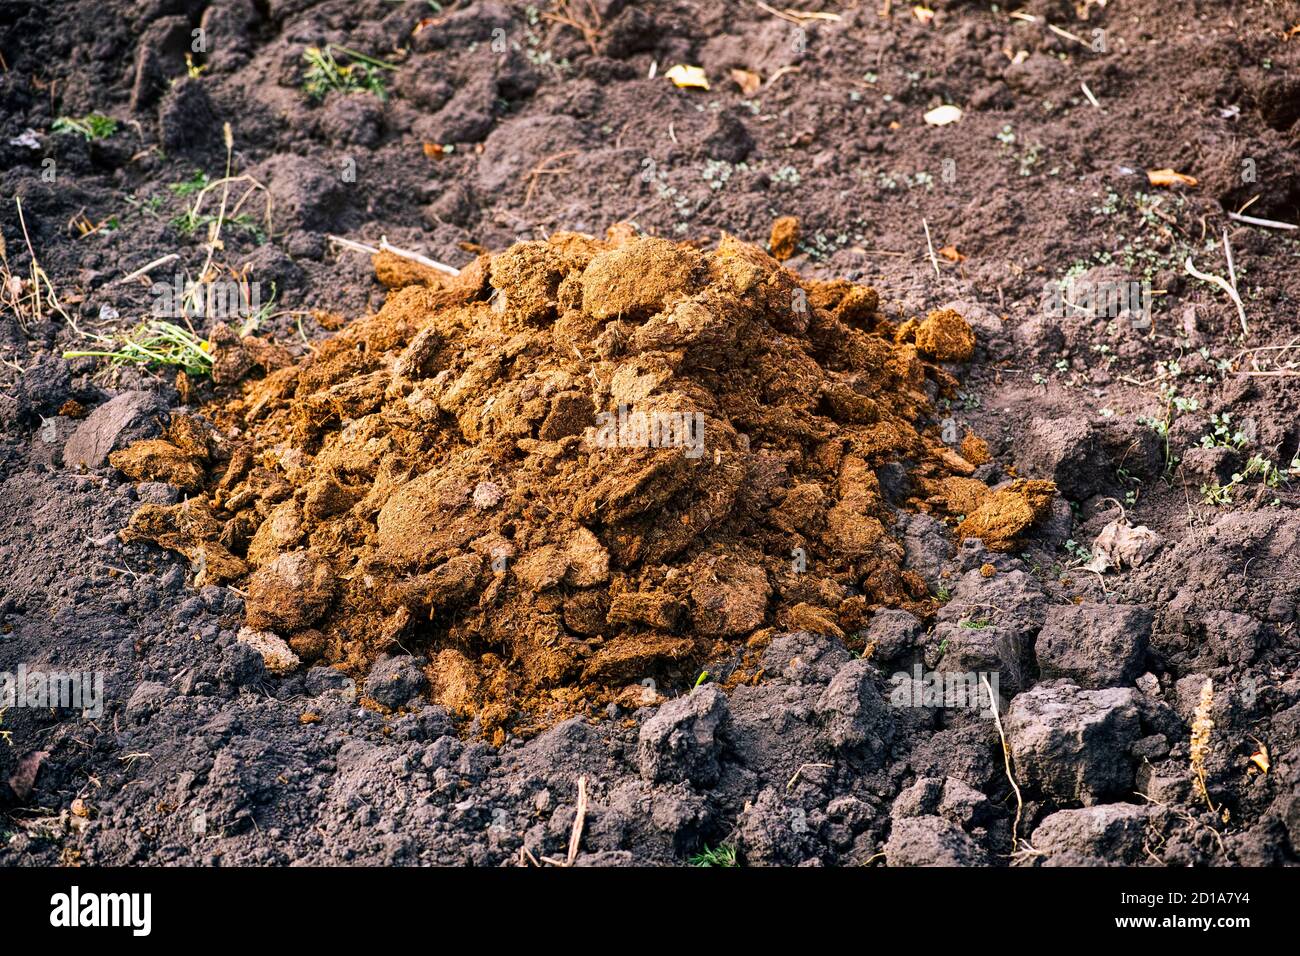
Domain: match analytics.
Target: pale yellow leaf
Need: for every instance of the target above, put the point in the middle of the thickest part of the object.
(688, 77)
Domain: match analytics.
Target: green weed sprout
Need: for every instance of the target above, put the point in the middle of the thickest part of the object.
(325, 73)
(720, 856)
(156, 343)
(92, 126)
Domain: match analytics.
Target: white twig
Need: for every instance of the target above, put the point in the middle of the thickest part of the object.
(934, 260)
(579, 819)
(1265, 223)
(1232, 269)
(1088, 93)
(1066, 34)
(1006, 762)
(386, 246)
(1222, 283)
(149, 267)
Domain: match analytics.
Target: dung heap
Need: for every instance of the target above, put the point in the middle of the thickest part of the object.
(577, 465)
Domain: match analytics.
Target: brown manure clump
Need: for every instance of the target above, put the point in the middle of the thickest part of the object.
(577, 465)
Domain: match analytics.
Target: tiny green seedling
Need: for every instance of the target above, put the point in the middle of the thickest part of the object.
(254, 321)
(704, 676)
(1080, 552)
(325, 73)
(720, 856)
(155, 343)
(1222, 434)
(188, 223)
(188, 187)
(1257, 466)
(93, 126)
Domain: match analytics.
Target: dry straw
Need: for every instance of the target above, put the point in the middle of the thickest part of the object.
(1202, 728)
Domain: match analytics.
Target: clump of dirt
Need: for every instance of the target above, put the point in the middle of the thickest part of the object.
(785, 238)
(1002, 517)
(942, 335)
(577, 465)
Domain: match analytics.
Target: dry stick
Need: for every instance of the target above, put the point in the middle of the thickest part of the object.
(778, 13)
(783, 71)
(545, 169)
(1256, 221)
(149, 267)
(806, 766)
(1286, 370)
(1227, 252)
(579, 819)
(798, 16)
(215, 235)
(1066, 34)
(1006, 761)
(38, 273)
(1222, 284)
(934, 260)
(386, 246)
(1088, 93)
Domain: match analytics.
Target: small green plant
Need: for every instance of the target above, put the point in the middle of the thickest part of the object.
(188, 187)
(325, 73)
(91, 126)
(254, 321)
(943, 595)
(704, 676)
(189, 223)
(148, 206)
(1079, 552)
(1222, 435)
(722, 855)
(977, 623)
(1217, 494)
(1257, 466)
(155, 343)
(787, 176)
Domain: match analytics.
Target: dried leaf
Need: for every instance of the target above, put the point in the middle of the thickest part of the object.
(748, 81)
(688, 77)
(1168, 177)
(951, 254)
(1260, 759)
(943, 115)
(1119, 546)
(434, 150)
